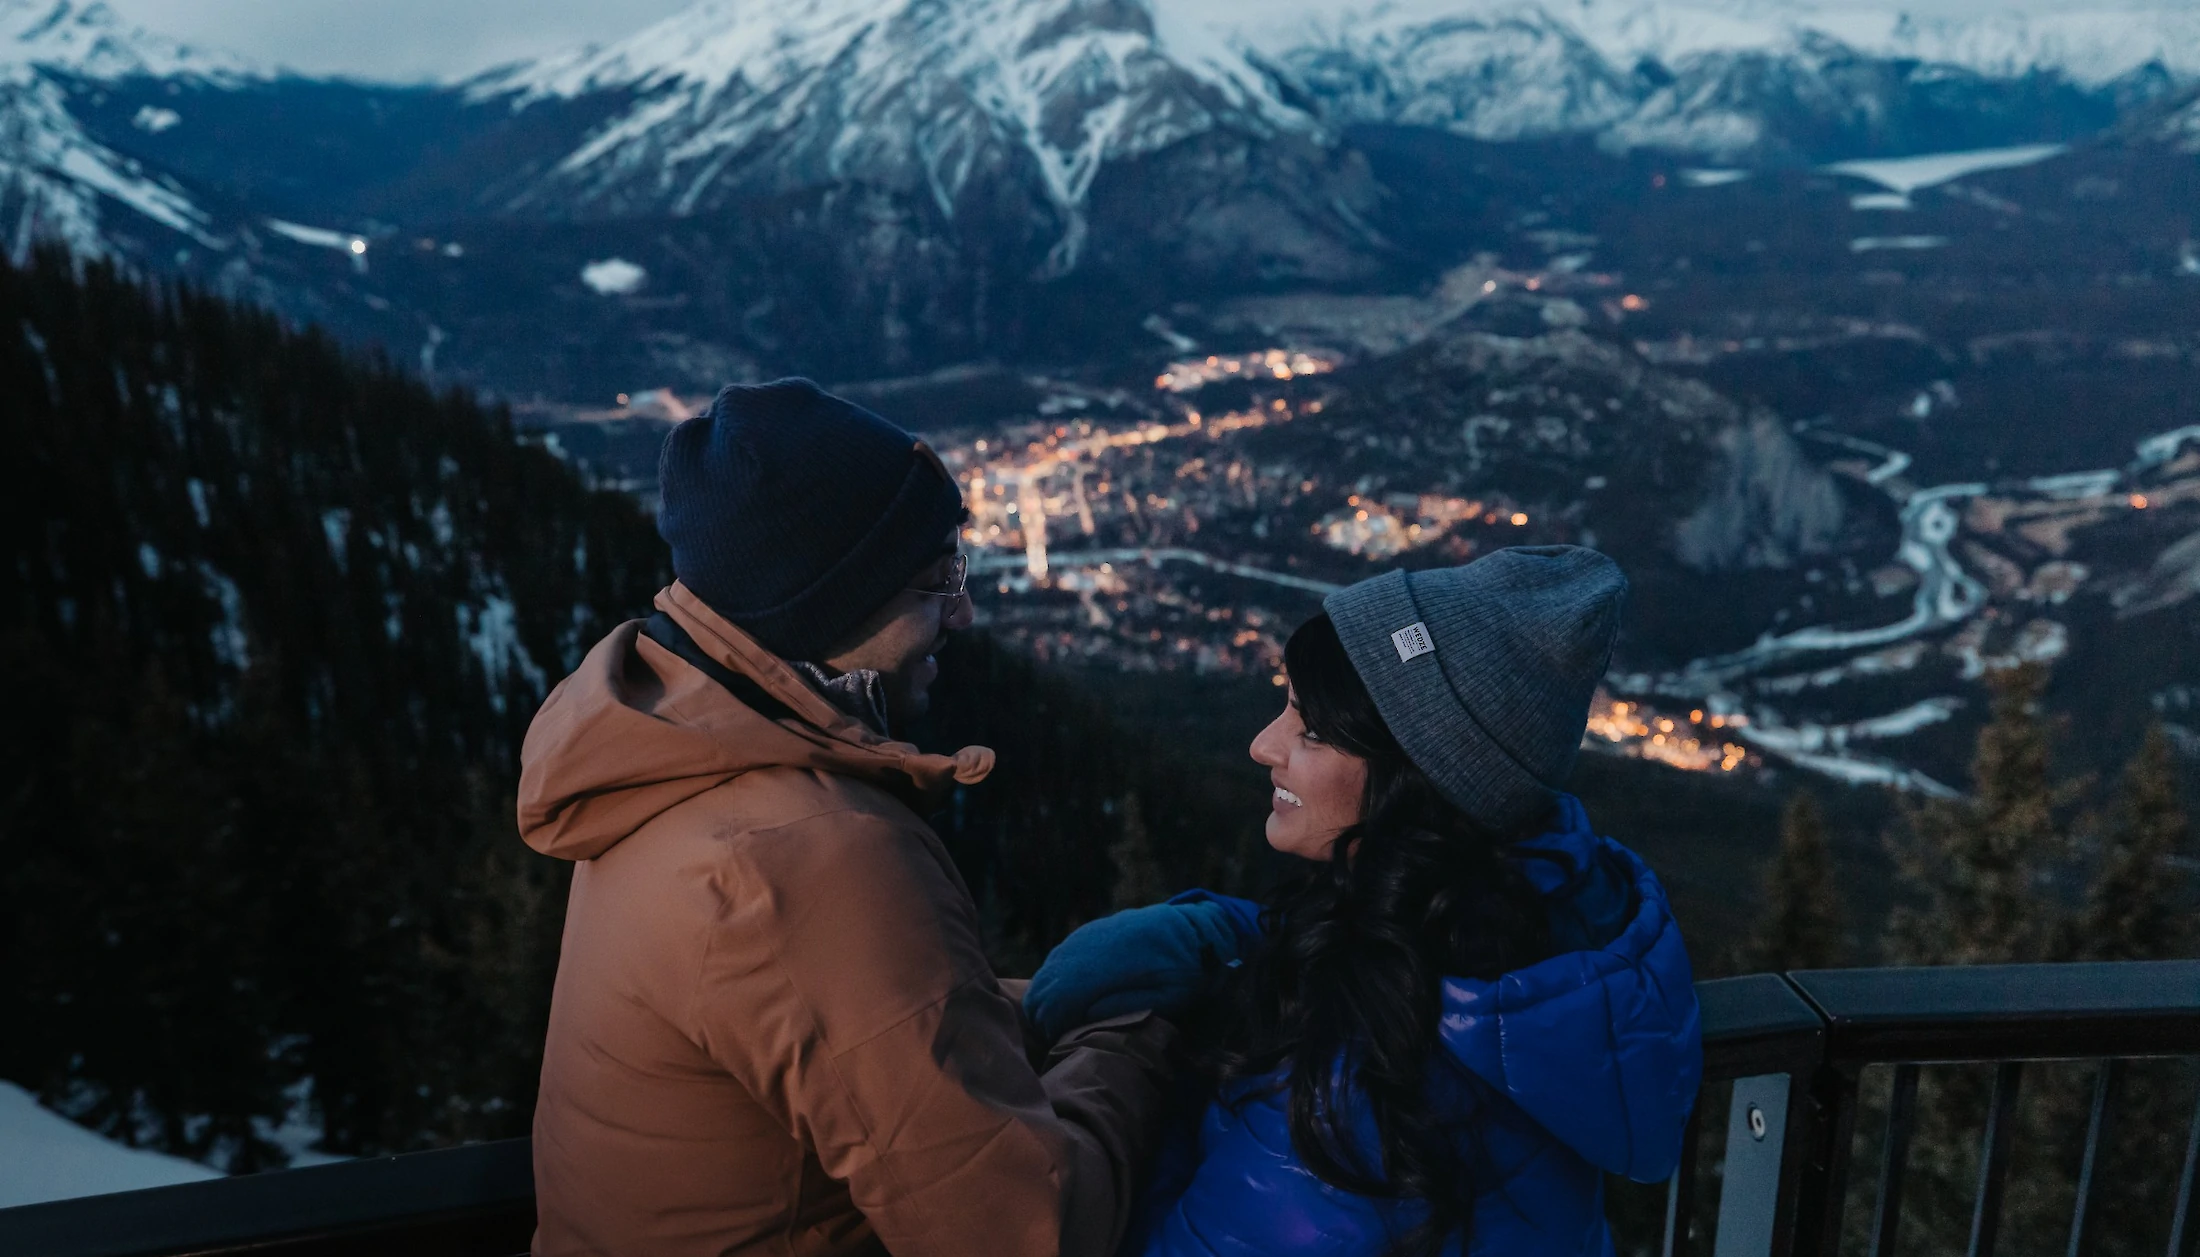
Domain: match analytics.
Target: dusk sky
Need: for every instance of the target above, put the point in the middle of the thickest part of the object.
(393, 39)
(442, 39)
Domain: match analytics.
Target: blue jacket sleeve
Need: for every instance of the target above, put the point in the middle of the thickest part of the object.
(1242, 914)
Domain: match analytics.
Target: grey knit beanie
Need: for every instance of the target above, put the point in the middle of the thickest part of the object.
(1484, 672)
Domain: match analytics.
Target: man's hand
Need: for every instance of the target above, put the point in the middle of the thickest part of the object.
(1160, 958)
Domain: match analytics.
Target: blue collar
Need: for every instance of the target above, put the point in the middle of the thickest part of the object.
(1569, 838)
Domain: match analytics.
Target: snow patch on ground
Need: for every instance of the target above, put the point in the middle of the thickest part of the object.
(492, 632)
(231, 643)
(336, 526)
(318, 237)
(1904, 175)
(1880, 201)
(1712, 178)
(1871, 244)
(45, 1156)
(613, 277)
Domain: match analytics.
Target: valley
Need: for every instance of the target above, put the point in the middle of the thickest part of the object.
(1848, 338)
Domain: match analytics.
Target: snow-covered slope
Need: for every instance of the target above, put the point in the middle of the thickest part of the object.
(45, 1156)
(2092, 43)
(92, 41)
(56, 182)
(1723, 79)
(733, 98)
(2181, 129)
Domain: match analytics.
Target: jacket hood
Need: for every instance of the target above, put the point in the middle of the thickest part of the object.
(1602, 1047)
(637, 731)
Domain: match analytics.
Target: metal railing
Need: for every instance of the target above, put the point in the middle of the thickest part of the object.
(1791, 1050)
(1786, 1052)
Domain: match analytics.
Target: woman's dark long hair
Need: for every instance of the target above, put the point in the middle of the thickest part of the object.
(1346, 989)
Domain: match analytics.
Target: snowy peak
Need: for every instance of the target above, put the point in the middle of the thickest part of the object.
(916, 94)
(1723, 78)
(732, 97)
(2091, 44)
(1494, 72)
(92, 41)
(56, 181)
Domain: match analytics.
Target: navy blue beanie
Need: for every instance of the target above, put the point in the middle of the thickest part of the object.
(796, 514)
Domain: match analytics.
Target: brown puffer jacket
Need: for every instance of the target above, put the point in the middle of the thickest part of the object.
(774, 1030)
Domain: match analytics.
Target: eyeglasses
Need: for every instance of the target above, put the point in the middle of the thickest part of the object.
(954, 583)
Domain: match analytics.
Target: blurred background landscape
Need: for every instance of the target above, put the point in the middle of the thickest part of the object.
(1866, 338)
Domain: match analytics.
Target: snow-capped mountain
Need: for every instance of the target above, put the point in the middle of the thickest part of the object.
(2181, 129)
(1740, 80)
(899, 182)
(56, 181)
(734, 99)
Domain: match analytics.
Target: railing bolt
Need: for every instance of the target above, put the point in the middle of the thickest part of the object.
(1756, 1123)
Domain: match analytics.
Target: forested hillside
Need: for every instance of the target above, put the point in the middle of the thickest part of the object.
(274, 620)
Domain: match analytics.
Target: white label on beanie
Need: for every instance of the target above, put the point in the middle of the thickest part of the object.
(1412, 641)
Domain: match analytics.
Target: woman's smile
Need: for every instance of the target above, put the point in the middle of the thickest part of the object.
(1323, 799)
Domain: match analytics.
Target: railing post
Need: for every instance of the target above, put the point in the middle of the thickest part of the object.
(1820, 1178)
(1993, 1165)
(2096, 1127)
(1756, 1145)
(1894, 1165)
(2184, 1230)
(1680, 1190)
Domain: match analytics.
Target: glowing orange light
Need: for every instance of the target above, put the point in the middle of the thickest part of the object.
(1519, 520)
(2138, 501)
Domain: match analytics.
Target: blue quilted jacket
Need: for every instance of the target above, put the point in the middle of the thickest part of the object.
(1583, 1064)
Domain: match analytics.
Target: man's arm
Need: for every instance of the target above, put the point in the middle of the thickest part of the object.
(847, 989)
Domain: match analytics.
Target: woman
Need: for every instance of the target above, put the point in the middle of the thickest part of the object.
(1464, 1008)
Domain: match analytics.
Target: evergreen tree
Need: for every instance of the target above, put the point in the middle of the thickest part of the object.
(1978, 863)
(1801, 924)
(2138, 907)
(275, 620)
(1976, 867)
(1138, 876)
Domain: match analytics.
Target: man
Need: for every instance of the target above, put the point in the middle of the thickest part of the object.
(773, 1029)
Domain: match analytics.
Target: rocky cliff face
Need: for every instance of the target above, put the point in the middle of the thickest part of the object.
(1771, 506)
